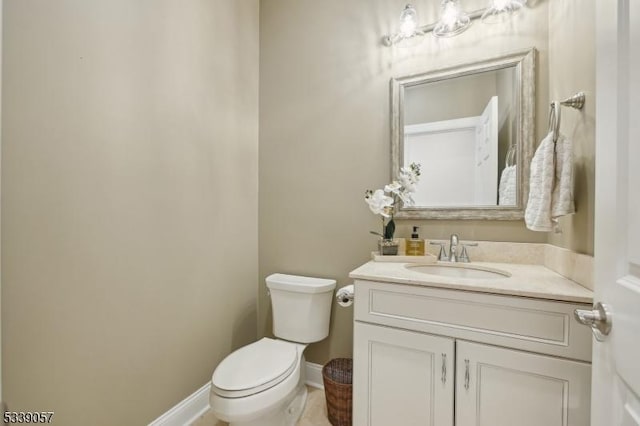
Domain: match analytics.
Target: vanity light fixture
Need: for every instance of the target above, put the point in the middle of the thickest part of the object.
(408, 27)
(500, 10)
(408, 21)
(453, 20)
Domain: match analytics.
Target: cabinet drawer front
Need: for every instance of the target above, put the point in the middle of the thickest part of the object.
(530, 324)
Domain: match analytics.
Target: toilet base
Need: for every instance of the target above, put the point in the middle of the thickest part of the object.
(282, 416)
(281, 405)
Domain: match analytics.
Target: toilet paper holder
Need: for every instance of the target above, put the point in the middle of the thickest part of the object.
(345, 296)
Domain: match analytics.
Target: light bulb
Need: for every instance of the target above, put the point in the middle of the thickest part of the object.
(500, 10)
(501, 4)
(450, 13)
(453, 20)
(408, 21)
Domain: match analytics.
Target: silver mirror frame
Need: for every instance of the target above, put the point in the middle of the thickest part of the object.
(524, 62)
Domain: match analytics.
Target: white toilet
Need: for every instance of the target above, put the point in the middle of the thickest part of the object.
(263, 383)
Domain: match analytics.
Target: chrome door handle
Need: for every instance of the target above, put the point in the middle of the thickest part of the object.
(444, 368)
(599, 319)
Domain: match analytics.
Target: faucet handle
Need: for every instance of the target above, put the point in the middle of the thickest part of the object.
(442, 256)
(464, 256)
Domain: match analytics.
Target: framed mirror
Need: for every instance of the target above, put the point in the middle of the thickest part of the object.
(471, 128)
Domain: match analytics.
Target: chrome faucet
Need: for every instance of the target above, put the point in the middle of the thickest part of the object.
(464, 256)
(442, 255)
(453, 256)
(453, 248)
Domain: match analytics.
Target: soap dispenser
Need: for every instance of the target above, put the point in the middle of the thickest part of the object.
(415, 246)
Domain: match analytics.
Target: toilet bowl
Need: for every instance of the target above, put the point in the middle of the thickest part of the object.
(263, 383)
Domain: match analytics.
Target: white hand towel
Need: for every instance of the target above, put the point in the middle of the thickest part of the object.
(507, 187)
(562, 196)
(537, 216)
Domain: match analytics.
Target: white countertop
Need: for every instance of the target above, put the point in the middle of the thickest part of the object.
(534, 281)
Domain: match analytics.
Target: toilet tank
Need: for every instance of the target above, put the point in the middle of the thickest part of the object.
(301, 307)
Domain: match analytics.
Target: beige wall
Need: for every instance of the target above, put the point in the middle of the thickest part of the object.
(1, 394)
(465, 96)
(129, 211)
(324, 133)
(572, 68)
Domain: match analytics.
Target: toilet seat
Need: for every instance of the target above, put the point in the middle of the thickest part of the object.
(255, 368)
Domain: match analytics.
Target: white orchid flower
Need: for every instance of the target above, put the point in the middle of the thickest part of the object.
(393, 187)
(407, 183)
(406, 198)
(379, 203)
(409, 175)
(399, 190)
(412, 172)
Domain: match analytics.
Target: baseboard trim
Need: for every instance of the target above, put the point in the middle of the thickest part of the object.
(313, 373)
(195, 405)
(186, 411)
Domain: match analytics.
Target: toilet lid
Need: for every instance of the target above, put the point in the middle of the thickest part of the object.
(255, 367)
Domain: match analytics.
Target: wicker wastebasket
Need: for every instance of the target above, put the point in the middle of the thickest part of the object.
(337, 376)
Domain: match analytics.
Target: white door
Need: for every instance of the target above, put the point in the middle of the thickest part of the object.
(506, 387)
(401, 377)
(616, 359)
(446, 151)
(486, 157)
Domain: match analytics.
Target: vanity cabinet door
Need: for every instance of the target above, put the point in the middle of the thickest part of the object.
(505, 387)
(402, 378)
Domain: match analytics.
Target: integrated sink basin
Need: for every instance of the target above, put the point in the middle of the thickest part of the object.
(459, 271)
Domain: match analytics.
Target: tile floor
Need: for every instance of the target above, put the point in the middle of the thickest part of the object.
(315, 412)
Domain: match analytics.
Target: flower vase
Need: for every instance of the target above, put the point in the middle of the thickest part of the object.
(388, 247)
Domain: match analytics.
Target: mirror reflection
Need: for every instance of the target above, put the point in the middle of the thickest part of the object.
(463, 131)
(471, 127)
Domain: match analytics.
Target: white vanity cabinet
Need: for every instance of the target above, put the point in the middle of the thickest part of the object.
(441, 357)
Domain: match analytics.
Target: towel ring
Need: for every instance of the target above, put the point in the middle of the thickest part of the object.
(510, 158)
(554, 120)
(576, 101)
